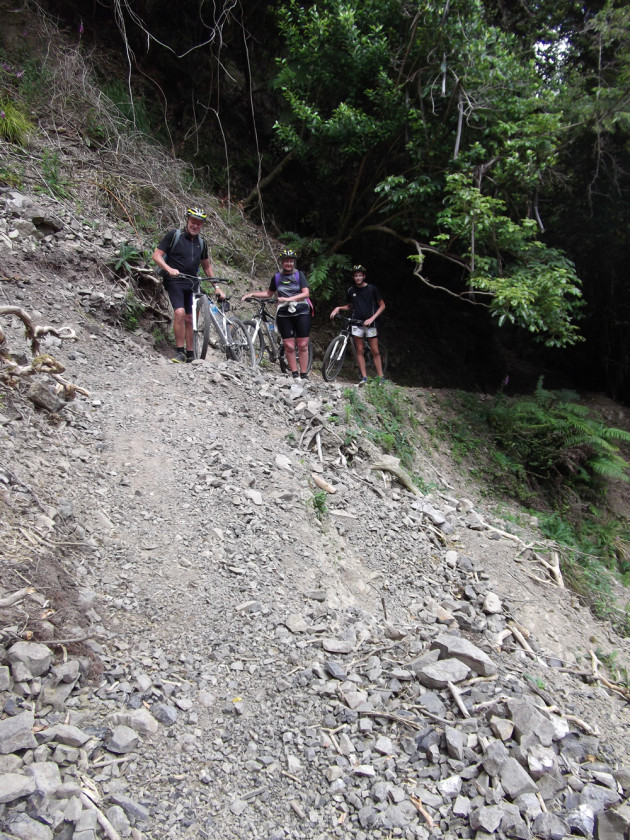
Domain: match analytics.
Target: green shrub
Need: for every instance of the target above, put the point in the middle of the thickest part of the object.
(555, 442)
(132, 312)
(128, 256)
(57, 184)
(15, 126)
(320, 504)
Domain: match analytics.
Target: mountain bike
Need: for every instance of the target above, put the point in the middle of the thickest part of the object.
(265, 337)
(335, 354)
(212, 326)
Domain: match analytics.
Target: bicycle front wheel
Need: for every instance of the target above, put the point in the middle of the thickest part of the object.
(240, 348)
(202, 331)
(310, 356)
(333, 358)
(254, 328)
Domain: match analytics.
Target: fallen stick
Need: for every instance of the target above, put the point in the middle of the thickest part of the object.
(322, 483)
(522, 641)
(398, 718)
(457, 698)
(420, 807)
(12, 599)
(104, 823)
(582, 724)
(400, 474)
(318, 441)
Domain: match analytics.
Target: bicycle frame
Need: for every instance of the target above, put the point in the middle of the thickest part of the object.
(265, 326)
(335, 354)
(208, 314)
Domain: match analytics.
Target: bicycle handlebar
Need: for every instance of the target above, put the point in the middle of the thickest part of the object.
(355, 322)
(196, 278)
(260, 301)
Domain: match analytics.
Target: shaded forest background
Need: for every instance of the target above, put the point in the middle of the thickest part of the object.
(474, 155)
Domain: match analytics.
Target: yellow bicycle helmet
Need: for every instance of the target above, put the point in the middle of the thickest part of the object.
(196, 213)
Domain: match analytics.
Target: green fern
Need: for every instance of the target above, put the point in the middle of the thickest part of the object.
(323, 271)
(555, 440)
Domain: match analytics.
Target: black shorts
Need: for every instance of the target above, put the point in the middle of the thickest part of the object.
(180, 294)
(294, 326)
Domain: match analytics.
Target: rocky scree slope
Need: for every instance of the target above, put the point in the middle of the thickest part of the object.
(188, 651)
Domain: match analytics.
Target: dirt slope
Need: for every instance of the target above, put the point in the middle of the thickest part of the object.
(169, 517)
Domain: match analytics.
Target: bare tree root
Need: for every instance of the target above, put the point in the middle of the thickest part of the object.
(34, 333)
(41, 362)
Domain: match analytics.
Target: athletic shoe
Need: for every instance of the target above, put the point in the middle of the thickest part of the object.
(363, 381)
(179, 358)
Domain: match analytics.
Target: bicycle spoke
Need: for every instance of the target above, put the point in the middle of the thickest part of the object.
(201, 334)
(334, 358)
(240, 347)
(255, 330)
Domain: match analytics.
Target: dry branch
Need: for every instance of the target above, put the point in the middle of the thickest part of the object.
(400, 474)
(12, 599)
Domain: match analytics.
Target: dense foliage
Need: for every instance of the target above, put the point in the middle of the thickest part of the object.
(486, 141)
(428, 123)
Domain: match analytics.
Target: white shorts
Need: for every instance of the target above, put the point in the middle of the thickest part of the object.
(365, 332)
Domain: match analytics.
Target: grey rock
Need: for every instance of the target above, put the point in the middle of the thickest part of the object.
(541, 760)
(65, 733)
(581, 820)
(494, 757)
(426, 659)
(296, 623)
(501, 727)
(15, 786)
(549, 826)
(461, 806)
(140, 720)
(450, 787)
(134, 810)
(432, 703)
(5, 678)
(337, 645)
(122, 740)
(46, 776)
(164, 713)
(44, 397)
(37, 658)
(367, 816)
(25, 827)
(599, 797)
(458, 648)
(487, 818)
(397, 816)
(336, 671)
(16, 733)
(454, 743)
(515, 780)
(442, 672)
(118, 819)
(613, 824)
(528, 721)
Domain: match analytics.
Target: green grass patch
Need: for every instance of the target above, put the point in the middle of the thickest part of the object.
(383, 411)
(15, 126)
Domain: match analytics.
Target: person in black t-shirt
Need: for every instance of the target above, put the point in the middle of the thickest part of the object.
(182, 252)
(366, 303)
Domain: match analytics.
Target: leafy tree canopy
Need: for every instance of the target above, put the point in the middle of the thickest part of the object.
(426, 122)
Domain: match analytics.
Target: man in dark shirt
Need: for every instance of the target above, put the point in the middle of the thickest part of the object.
(366, 303)
(182, 252)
